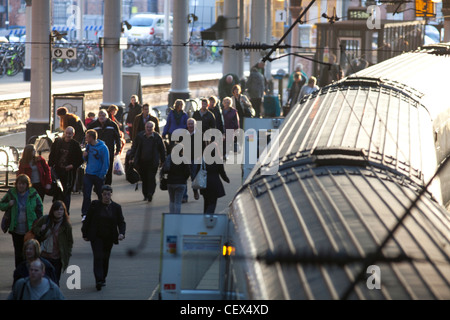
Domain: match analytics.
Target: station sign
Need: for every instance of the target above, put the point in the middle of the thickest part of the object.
(64, 53)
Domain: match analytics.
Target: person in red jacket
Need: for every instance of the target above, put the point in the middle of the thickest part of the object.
(37, 169)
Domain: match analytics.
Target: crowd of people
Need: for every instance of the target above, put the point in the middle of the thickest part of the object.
(85, 154)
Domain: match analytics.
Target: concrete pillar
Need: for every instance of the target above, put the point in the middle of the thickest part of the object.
(180, 53)
(112, 55)
(258, 28)
(446, 13)
(241, 30)
(231, 36)
(166, 20)
(27, 66)
(40, 98)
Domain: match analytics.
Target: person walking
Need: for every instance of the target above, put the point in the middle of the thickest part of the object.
(226, 84)
(57, 238)
(134, 109)
(217, 112)
(205, 116)
(241, 103)
(311, 87)
(37, 169)
(255, 87)
(331, 72)
(104, 226)
(112, 111)
(97, 163)
(26, 206)
(177, 119)
(142, 118)
(31, 252)
(108, 132)
(36, 286)
(148, 152)
(65, 158)
(177, 183)
(214, 187)
(196, 154)
(231, 122)
(294, 93)
(67, 119)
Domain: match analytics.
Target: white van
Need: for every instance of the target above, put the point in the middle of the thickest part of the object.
(145, 26)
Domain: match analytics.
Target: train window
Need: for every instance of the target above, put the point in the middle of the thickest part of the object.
(201, 262)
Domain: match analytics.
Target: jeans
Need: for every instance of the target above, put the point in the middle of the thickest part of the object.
(176, 192)
(194, 168)
(90, 180)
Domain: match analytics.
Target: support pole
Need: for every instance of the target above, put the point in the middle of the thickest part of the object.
(258, 28)
(112, 56)
(180, 53)
(231, 37)
(40, 98)
(27, 66)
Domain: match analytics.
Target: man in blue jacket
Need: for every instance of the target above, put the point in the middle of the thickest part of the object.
(97, 164)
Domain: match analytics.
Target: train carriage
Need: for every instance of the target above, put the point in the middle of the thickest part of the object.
(354, 157)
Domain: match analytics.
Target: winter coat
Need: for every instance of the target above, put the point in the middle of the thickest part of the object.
(34, 207)
(74, 157)
(139, 125)
(208, 120)
(93, 220)
(155, 143)
(133, 112)
(44, 170)
(65, 238)
(255, 85)
(214, 186)
(172, 124)
(22, 291)
(217, 112)
(178, 173)
(108, 132)
(231, 119)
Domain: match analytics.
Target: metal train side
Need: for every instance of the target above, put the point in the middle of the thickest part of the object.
(353, 157)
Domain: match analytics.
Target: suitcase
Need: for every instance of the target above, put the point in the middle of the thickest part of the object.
(272, 106)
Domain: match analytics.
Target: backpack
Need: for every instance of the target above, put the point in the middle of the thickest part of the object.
(131, 175)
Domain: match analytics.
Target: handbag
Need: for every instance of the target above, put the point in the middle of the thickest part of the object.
(41, 236)
(6, 220)
(199, 181)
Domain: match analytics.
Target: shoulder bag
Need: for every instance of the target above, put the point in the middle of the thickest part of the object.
(6, 220)
(201, 177)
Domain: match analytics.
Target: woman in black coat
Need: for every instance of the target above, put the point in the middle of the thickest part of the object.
(214, 187)
(104, 226)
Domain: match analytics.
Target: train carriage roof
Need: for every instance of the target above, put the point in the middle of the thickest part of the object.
(351, 159)
(311, 228)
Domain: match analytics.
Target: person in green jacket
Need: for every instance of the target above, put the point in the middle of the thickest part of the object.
(56, 237)
(26, 206)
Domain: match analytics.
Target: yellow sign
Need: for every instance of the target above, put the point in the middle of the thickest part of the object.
(425, 8)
